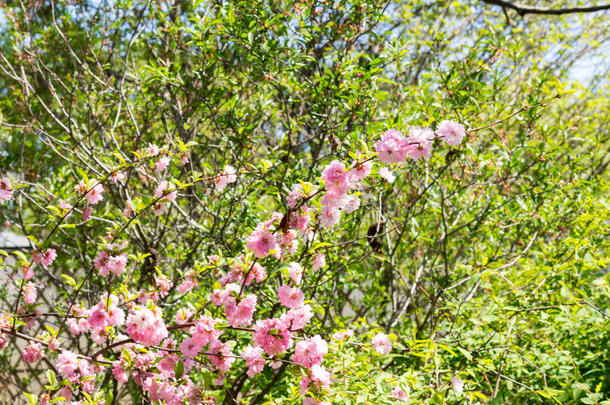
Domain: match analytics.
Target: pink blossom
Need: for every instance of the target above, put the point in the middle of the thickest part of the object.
(189, 282)
(66, 209)
(118, 372)
(49, 257)
(162, 164)
(342, 335)
(257, 273)
(296, 193)
(67, 364)
(320, 375)
(310, 351)
(164, 284)
(27, 271)
(420, 142)
(289, 242)
(145, 326)
(399, 394)
(6, 190)
(166, 190)
(129, 210)
(334, 200)
(190, 348)
(329, 216)
(159, 209)
(261, 241)
(223, 356)
(183, 315)
(95, 194)
(29, 293)
(319, 261)
(299, 318)
(87, 212)
(352, 204)
(204, 331)
(273, 335)
(291, 297)
(382, 343)
(254, 359)
(152, 150)
(451, 132)
(361, 171)
(226, 177)
(336, 178)
(32, 353)
(295, 270)
(392, 148)
(240, 313)
(117, 177)
(387, 175)
(313, 401)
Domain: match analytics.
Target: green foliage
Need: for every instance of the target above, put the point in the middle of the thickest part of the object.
(494, 257)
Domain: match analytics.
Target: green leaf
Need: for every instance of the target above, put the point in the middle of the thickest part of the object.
(179, 369)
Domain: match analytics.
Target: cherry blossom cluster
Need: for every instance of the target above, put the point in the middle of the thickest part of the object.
(134, 323)
(394, 147)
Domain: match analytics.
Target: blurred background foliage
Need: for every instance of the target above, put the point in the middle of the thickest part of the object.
(493, 259)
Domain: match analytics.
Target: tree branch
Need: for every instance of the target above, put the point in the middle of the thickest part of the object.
(523, 9)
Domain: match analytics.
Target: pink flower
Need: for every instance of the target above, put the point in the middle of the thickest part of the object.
(118, 373)
(87, 212)
(6, 190)
(420, 142)
(291, 297)
(223, 356)
(313, 401)
(319, 261)
(329, 216)
(257, 273)
(129, 210)
(273, 335)
(451, 132)
(382, 343)
(27, 271)
(392, 148)
(399, 394)
(295, 270)
(66, 209)
(67, 364)
(320, 375)
(336, 178)
(145, 326)
(296, 193)
(32, 353)
(204, 331)
(261, 241)
(342, 335)
(95, 194)
(49, 257)
(166, 190)
(240, 313)
(361, 171)
(387, 175)
(152, 150)
(183, 315)
(117, 177)
(254, 359)
(299, 318)
(310, 352)
(228, 176)
(190, 348)
(162, 164)
(29, 293)
(352, 204)
(334, 200)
